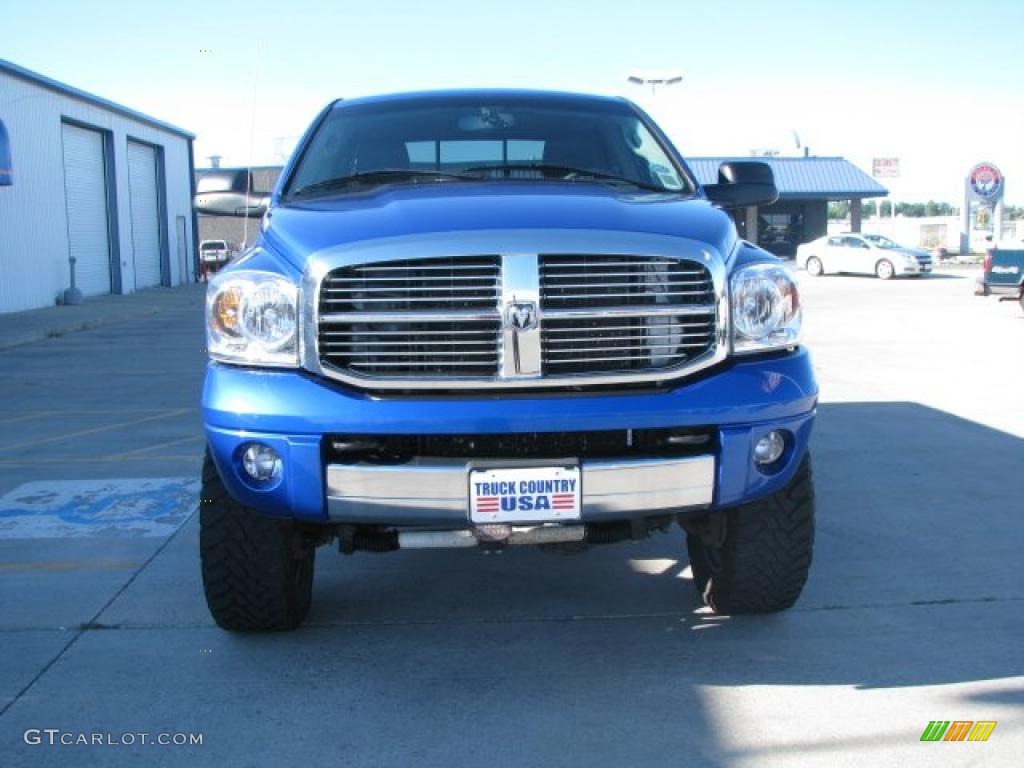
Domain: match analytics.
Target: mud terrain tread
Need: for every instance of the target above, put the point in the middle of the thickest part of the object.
(255, 576)
(763, 564)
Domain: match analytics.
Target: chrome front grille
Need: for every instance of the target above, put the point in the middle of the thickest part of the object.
(400, 318)
(606, 345)
(578, 280)
(517, 320)
(412, 285)
(412, 348)
(669, 315)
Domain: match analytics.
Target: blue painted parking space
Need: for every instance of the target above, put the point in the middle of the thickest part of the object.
(136, 507)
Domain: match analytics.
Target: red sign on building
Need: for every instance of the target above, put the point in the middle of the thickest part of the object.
(885, 167)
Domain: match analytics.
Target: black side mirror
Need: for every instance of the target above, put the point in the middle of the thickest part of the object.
(742, 184)
(229, 193)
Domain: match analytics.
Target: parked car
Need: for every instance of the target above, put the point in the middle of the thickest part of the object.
(1003, 273)
(495, 318)
(214, 255)
(924, 256)
(865, 254)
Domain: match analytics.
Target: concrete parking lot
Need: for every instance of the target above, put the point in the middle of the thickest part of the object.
(914, 610)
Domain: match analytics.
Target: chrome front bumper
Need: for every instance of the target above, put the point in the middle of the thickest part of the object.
(437, 493)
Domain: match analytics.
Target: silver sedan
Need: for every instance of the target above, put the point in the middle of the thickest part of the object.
(864, 254)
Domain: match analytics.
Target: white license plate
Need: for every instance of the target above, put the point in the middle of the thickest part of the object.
(524, 495)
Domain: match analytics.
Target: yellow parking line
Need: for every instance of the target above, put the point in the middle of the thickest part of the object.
(158, 446)
(94, 430)
(91, 411)
(27, 417)
(70, 566)
(97, 460)
(128, 372)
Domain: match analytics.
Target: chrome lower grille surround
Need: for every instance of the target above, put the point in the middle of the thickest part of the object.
(609, 309)
(436, 492)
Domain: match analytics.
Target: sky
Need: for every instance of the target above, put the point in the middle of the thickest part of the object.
(938, 84)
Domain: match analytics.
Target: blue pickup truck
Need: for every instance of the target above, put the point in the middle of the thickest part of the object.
(492, 318)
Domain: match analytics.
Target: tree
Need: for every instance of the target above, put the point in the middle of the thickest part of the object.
(933, 208)
(839, 209)
(916, 210)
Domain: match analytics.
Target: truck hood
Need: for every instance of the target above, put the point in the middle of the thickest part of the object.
(298, 230)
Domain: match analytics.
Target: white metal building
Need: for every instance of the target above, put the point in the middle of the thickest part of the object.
(90, 181)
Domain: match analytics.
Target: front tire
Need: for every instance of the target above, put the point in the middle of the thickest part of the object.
(814, 267)
(884, 269)
(761, 565)
(257, 570)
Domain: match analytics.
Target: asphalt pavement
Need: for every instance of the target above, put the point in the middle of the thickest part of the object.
(913, 611)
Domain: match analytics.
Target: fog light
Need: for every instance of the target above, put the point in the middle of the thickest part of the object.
(769, 448)
(261, 462)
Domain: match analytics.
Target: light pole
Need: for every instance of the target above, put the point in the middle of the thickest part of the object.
(655, 79)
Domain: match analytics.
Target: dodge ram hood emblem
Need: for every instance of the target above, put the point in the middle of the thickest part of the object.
(521, 315)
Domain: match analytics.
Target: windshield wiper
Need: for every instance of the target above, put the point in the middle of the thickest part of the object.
(382, 175)
(566, 173)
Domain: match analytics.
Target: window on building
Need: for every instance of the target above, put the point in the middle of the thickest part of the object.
(781, 231)
(6, 167)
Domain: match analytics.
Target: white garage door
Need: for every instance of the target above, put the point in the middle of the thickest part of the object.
(85, 197)
(142, 180)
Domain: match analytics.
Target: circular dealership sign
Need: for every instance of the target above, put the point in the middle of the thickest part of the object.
(985, 182)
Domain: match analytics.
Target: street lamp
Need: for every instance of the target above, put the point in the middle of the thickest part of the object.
(655, 79)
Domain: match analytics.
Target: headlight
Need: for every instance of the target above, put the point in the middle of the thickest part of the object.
(252, 319)
(765, 309)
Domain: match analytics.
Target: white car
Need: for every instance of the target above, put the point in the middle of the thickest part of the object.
(863, 254)
(215, 254)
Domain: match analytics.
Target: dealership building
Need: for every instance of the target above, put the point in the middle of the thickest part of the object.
(806, 186)
(89, 185)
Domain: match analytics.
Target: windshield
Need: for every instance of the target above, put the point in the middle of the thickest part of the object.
(881, 241)
(213, 245)
(460, 139)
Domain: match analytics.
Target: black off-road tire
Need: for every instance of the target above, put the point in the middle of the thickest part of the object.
(257, 570)
(762, 564)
